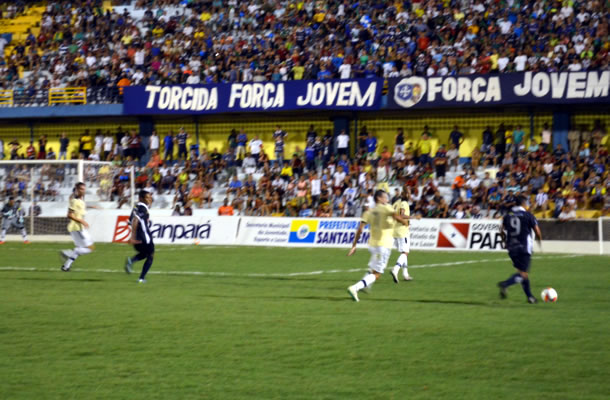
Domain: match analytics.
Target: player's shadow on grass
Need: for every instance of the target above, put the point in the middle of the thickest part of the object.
(346, 298)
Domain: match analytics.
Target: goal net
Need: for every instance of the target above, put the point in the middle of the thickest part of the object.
(41, 190)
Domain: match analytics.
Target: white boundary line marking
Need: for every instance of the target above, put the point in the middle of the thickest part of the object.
(270, 275)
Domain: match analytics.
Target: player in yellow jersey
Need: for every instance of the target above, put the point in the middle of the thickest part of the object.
(381, 220)
(77, 227)
(401, 237)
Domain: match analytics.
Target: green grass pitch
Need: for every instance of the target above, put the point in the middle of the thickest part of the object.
(263, 323)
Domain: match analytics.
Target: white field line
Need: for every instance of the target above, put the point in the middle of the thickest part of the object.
(270, 275)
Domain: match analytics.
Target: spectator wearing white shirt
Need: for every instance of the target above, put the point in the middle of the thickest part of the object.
(542, 202)
(503, 62)
(338, 178)
(567, 213)
(107, 145)
(249, 164)
(520, 62)
(575, 66)
(256, 146)
(154, 141)
(316, 189)
(345, 70)
(343, 143)
(193, 79)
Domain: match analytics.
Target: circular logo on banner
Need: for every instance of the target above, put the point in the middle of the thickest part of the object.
(409, 91)
(303, 232)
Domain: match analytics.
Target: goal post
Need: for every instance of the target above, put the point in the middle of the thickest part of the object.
(43, 189)
(604, 235)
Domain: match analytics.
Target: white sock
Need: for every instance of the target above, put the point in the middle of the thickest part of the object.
(367, 281)
(79, 251)
(3, 235)
(24, 234)
(403, 262)
(69, 262)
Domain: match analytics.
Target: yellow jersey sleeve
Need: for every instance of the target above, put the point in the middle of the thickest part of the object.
(366, 217)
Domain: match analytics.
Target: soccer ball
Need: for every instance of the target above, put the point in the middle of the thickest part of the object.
(549, 295)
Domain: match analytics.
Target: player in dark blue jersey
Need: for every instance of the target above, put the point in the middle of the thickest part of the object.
(141, 237)
(518, 225)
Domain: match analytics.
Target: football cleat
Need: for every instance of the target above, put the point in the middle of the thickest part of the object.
(128, 265)
(502, 290)
(353, 292)
(141, 280)
(408, 278)
(63, 268)
(1, 241)
(394, 273)
(26, 242)
(532, 300)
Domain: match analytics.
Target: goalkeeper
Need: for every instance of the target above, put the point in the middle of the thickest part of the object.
(13, 216)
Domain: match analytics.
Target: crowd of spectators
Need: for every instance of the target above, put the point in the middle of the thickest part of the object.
(323, 180)
(210, 41)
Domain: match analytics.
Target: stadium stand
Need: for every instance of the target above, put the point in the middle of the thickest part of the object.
(53, 55)
(169, 42)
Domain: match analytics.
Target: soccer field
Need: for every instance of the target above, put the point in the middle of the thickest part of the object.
(244, 323)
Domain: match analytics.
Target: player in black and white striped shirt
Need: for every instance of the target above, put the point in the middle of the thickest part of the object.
(141, 237)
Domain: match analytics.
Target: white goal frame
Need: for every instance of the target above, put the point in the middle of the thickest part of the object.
(81, 166)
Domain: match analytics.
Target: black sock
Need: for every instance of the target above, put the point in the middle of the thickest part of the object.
(525, 284)
(512, 280)
(146, 267)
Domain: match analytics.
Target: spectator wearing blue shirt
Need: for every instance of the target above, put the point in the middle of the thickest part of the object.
(344, 162)
(324, 73)
(310, 157)
(234, 186)
(229, 161)
(242, 139)
(371, 145)
(305, 211)
(168, 144)
(278, 137)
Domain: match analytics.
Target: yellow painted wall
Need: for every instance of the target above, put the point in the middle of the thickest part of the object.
(214, 134)
(589, 119)
(54, 130)
(471, 125)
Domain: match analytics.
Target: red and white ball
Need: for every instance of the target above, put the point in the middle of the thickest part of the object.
(549, 295)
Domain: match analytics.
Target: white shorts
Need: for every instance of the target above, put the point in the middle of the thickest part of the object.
(379, 258)
(402, 244)
(81, 238)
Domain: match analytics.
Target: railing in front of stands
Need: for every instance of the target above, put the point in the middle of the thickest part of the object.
(6, 97)
(68, 95)
(26, 97)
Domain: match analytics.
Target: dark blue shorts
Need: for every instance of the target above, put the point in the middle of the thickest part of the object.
(521, 261)
(145, 249)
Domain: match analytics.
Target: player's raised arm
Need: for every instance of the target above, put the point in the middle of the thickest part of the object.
(357, 237)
